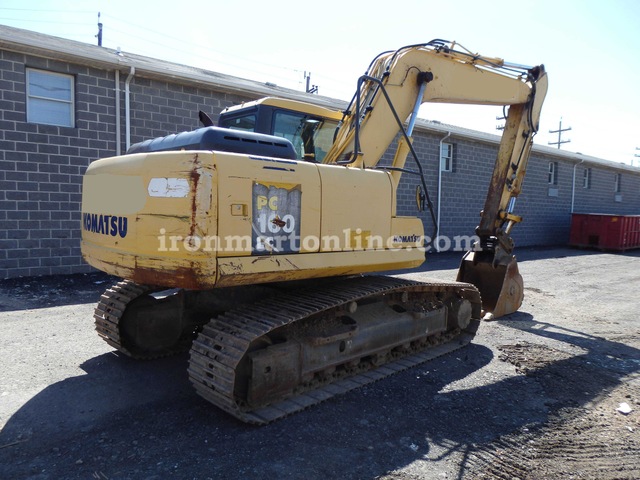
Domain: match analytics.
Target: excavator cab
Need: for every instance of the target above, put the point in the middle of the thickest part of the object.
(309, 128)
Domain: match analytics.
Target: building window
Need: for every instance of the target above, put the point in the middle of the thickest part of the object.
(446, 157)
(50, 98)
(553, 173)
(586, 179)
(617, 180)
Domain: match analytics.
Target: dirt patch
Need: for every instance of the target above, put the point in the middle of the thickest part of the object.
(530, 357)
(591, 440)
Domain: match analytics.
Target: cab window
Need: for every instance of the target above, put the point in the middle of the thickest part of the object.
(311, 136)
(245, 122)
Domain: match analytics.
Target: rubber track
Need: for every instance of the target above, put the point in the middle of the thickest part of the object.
(222, 344)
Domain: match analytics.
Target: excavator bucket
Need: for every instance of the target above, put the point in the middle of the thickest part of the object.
(501, 287)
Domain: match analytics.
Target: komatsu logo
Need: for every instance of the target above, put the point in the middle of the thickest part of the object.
(407, 238)
(105, 224)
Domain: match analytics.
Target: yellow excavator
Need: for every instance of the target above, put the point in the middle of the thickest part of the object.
(254, 244)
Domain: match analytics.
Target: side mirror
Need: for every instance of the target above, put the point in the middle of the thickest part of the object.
(420, 198)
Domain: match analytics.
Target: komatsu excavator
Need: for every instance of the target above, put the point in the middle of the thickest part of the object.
(254, 243)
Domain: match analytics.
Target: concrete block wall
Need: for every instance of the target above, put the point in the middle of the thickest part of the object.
(41, 168)
(600, 197)
(464, 189)
(545, 208)
(161, 108)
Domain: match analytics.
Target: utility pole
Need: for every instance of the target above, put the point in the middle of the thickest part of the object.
(310, 88)
(559, 132)
(99, 35)
(635, 155)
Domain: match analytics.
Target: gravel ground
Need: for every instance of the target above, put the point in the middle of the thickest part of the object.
(536, 394)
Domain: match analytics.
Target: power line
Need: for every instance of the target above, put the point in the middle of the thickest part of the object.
(126, 32)
(45, 10)
(338, 84)
(30, 20)
(184, 42)
(289, 76)
(245, 64)
(193, 53)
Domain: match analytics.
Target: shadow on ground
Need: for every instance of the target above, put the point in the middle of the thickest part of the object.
(127, 419)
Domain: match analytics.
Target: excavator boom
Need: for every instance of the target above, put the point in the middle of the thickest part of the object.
(436, 72)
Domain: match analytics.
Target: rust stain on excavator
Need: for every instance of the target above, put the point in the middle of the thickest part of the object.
(195, 180)
(233, 279)
(494, 193)
(278, 222)
(511, 292)
(235, 267)
(179, 277)
(293, 265)
(276, 260)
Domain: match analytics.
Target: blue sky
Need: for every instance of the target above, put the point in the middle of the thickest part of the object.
(590, 48)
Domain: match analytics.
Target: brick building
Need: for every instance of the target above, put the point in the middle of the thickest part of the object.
(65, 103)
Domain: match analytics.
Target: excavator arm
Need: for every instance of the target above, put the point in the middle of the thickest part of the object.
(492, 267)
(393, 89)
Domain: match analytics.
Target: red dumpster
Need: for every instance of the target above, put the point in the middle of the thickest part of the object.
(607, 232)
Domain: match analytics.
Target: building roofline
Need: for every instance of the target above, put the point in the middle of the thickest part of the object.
(41, 45)
(47, 46)
(573, 157)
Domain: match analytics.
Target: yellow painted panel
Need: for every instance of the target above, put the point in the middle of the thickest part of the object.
(121, 194)
(153, 270)
(294, 105)
(356, 206)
